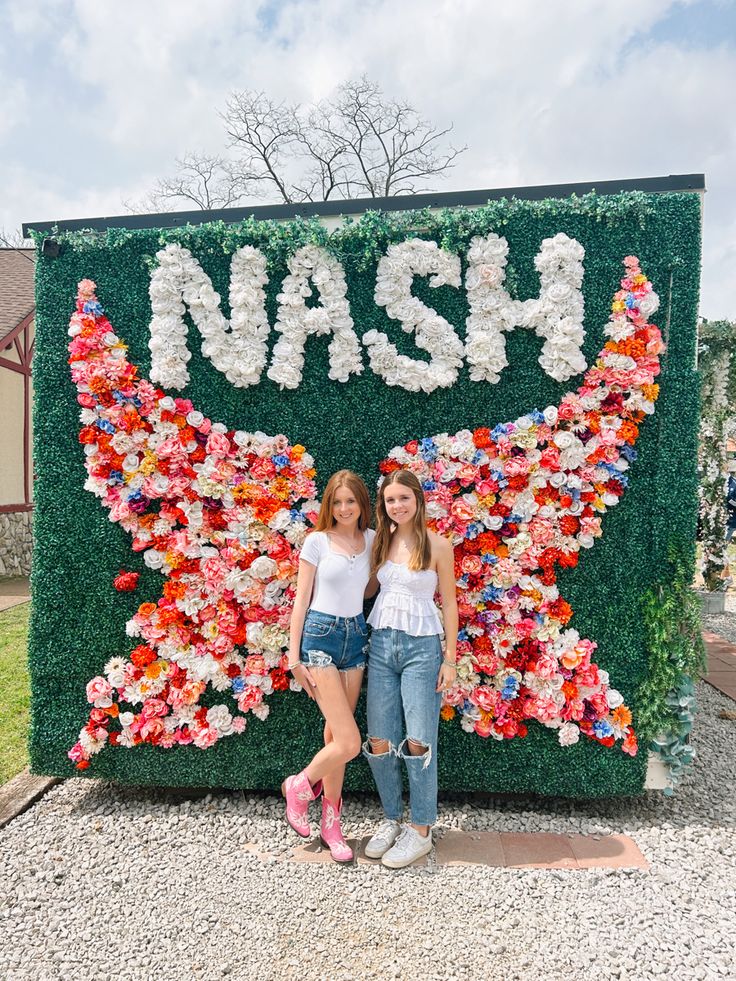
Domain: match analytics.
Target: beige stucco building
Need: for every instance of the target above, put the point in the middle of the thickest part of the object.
(17, 308)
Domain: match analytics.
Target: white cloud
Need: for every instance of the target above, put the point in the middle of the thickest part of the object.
(542, 93)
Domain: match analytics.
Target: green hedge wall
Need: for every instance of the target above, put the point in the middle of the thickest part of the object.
(78, 617)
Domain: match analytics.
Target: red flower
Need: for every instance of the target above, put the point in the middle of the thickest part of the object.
(126, 582)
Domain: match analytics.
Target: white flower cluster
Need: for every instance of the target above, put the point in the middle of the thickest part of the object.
(237, 348)
(394, 277)
(557, 315)
(296, 320)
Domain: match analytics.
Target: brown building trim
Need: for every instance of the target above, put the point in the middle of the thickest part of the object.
(19, 329)
(20, 337)
(15, 508)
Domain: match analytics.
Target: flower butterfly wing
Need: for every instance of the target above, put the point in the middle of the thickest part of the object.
(221, 514)
(517, 502)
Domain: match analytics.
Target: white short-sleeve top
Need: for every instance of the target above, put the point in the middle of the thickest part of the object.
(340, 580)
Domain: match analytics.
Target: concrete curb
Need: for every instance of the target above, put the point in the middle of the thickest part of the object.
(18, 794)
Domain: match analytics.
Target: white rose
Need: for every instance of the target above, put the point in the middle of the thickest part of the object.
(568, 734)
(614, 698)
(263, 568)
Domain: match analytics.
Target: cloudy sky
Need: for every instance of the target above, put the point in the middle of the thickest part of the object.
(98, 97)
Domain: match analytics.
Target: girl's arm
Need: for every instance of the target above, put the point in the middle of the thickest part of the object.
(304, 587)
(372, 588)
(447, 587)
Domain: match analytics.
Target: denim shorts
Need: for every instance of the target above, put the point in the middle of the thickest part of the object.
(340, 641)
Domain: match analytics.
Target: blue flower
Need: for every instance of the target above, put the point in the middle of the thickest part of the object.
(500, 430)
(429, 485)
(105, 426)
(280, 460)
(630, 300)
(428, 450)
(238, 685)
(509, 692)
(602, 729)
(116, 477)
(94, 307)
(537, 416)
(491, 593)
(628, 452)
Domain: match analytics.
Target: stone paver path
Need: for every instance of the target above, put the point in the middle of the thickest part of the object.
(721, 671)
(14, 591)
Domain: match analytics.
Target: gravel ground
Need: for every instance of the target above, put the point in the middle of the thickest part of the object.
(107, 882)
(723, 624)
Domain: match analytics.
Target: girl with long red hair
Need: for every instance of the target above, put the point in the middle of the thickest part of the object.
(327, 649)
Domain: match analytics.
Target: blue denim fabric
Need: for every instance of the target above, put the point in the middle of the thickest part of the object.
(403, 704)
(326, 640)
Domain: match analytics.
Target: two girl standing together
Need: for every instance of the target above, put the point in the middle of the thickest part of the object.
(342, 562)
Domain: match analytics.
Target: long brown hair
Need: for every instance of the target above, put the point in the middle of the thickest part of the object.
(344, 478)
(421, 554)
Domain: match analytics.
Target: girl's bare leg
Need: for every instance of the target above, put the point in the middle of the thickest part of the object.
(332, 781)
(332, 698)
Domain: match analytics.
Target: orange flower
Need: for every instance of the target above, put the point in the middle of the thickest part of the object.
(447, 712)
(628, 431)
(650, 392)
(621, 716)
(174, 590)
(569, 690)
(147, 609)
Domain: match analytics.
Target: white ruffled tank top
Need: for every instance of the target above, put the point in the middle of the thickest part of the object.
(406, 601)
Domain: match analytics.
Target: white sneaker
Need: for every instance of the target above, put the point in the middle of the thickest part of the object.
(409, 846)
(382, 840)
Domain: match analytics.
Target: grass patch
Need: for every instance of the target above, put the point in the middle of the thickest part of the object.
(15, 692)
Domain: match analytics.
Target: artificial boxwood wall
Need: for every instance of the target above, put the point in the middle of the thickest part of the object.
(79, 619)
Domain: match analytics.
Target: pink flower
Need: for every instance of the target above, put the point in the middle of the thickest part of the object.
(76, 754)
(205, 737)
(98, 689)
(516, 466)
(484, 697)
(249, 698)
(154, 708)
(471, 564)
(151, 730)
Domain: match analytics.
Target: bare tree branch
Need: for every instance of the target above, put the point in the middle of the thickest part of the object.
(358, 144)
(263, 132)
(207, 182)
(13, 239)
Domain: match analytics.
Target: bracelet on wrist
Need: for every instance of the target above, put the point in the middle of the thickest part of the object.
(450, 664)
(290, 667)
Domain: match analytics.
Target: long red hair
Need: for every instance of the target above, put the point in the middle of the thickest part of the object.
(344, 478)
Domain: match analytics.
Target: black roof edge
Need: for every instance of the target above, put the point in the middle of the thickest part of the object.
(354, 206)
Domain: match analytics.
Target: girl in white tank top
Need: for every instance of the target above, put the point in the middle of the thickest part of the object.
(407, 669)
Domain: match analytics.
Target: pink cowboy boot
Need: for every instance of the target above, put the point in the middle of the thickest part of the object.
(299, 793)
(331, 832)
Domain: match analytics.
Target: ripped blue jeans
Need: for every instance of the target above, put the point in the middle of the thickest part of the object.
(404, 706)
